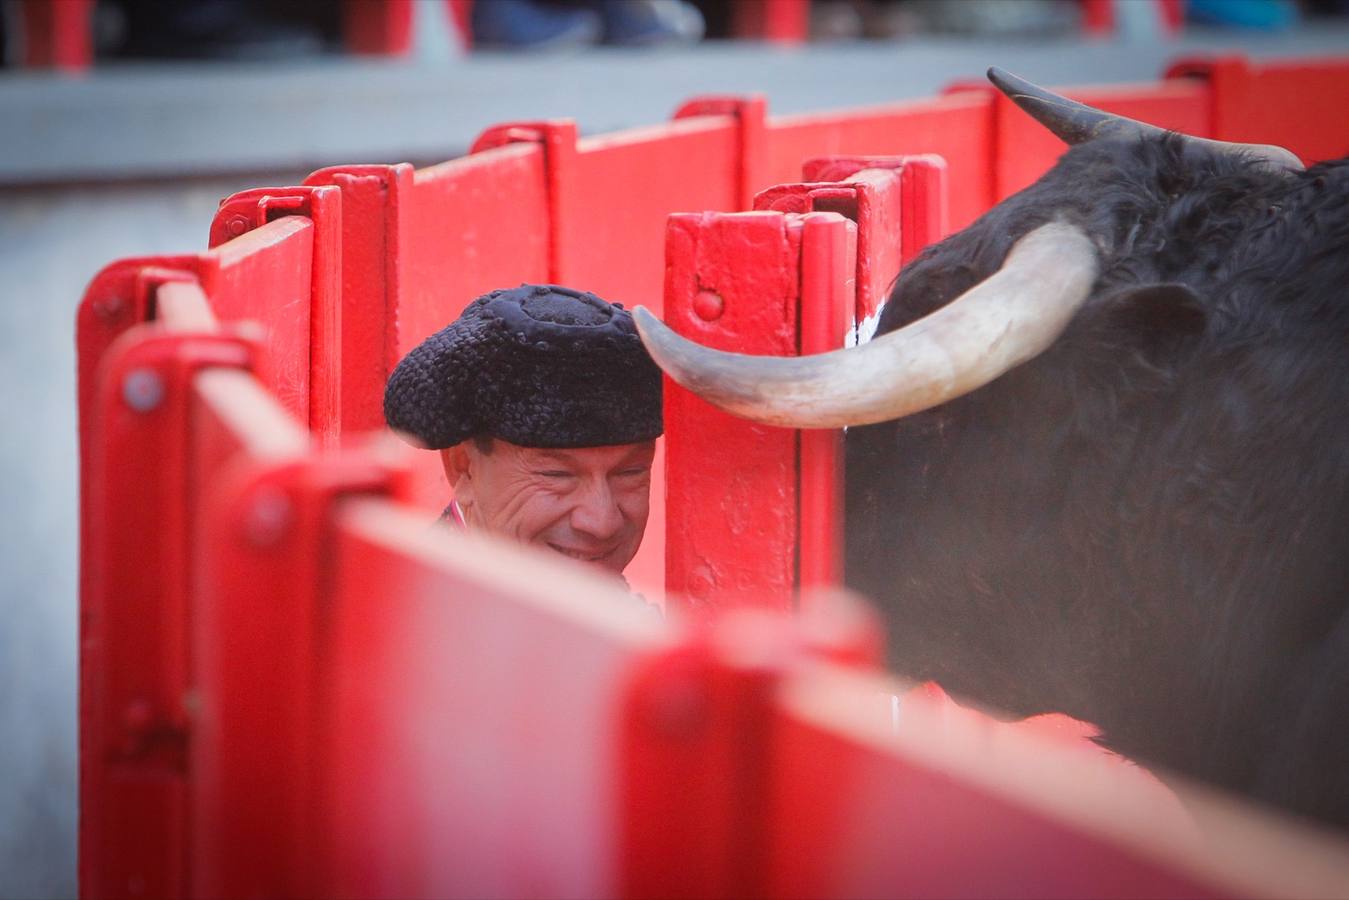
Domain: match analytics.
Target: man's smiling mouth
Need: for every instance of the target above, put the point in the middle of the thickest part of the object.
(582, 555)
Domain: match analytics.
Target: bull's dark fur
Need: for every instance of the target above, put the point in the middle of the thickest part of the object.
(1147, 527)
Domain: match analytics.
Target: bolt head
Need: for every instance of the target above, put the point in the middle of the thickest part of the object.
(708, 306)
(268, 518)
(143, 390)
(110, 308)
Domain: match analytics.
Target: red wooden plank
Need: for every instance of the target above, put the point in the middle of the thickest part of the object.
(254, 209)
(1294, 103)
(472, 691)
(874, 798)
(958, 127)
(748, 115)
(690, 164)
(1026, 149)
(279, 255)
(472, 225)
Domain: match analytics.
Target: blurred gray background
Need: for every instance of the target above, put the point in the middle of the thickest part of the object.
(132, 157)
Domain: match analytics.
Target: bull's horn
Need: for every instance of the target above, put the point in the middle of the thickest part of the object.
(1005, 320)
(1075, 122)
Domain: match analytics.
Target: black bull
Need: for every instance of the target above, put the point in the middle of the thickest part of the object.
(1146, 526)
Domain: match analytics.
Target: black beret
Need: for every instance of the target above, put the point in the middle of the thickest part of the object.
(537, 365)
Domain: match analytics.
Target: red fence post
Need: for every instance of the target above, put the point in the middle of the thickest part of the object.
(374, 200)
(734, 281)
(134, 655)
(898, 204)
(246, 210)
(696, 742)
(257, 763)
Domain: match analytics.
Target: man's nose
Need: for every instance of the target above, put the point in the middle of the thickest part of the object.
(596, 513)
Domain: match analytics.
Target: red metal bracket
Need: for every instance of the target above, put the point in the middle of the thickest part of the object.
(751, 116)
(557, 137)
(697, 744)
(134, 659)
(267, 545)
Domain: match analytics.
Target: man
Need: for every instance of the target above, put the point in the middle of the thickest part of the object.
(546, 409)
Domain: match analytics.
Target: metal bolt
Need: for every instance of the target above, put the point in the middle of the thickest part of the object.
(701, 582)
(269, 517)
(708, 305)
(143, 389)
(109, 307)
(237, 226)
(678, 707)
(138, 716)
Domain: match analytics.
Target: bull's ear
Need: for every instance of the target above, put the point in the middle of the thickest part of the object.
(1159, 310)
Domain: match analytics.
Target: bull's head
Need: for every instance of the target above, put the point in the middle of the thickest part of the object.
(1004, 321)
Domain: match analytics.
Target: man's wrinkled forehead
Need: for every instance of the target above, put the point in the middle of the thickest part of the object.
(609, 455)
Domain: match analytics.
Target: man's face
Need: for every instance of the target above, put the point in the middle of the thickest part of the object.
(589, 504)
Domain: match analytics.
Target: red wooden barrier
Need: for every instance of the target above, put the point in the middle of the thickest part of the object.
(957, 127)
(138, 500)
(1025, 149)
(1295, 103)
(285, 690)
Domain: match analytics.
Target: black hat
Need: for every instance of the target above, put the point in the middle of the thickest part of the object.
(537, 365)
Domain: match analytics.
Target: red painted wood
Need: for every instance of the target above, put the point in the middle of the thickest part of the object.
(828, 301)
(377, 27)
(922, 803)
(526, 801)
(252, 209)
(258, 761)
(692, 744)
(281, 256)
(57, 34)
(958, 127)
(373, 212)
(1026, 150)
(779, 21)
(748, 115)
(135, 611)
(690, 164)
(730, 485)
(1295, 103)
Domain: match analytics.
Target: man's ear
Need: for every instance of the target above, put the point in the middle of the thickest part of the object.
(458, 470)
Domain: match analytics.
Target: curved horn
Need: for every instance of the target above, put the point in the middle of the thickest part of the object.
(1075, 122)
(1005, 320)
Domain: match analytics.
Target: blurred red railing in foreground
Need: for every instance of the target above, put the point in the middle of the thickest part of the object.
(293, 683)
